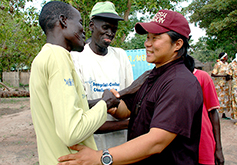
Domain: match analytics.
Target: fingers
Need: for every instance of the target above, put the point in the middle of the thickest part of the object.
(77, 147)
(110, 99)
(116, 94)
(112, 111)
(71, 156)
(66, 158)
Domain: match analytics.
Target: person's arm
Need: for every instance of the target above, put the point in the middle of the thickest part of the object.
(93, 102)
(214, 118)
(73, 120)
(133, 88)
(227, 77)
(217, 75)
(110, 126)
(154, 142)
(120, 113)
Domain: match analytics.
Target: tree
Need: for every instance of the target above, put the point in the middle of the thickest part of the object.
(21, 37)
(20, 34)
(201, 52)
(136, 42)
(126, 9)
(219, 19)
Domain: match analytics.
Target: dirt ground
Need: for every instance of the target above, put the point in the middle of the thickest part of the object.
(18, 140)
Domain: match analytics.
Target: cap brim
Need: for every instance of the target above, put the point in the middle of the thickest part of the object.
(108, 15)
(151, 27)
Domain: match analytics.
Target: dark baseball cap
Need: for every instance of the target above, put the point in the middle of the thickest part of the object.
(164, 21)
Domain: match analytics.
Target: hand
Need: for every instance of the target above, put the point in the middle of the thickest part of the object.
(110, 99)
(112, 111)
(228, 77)
(219, 157)
(84, 156)
(133, 88)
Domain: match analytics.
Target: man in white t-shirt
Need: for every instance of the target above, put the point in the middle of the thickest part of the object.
(101, 67)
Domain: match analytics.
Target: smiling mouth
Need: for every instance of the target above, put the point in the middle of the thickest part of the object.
(107, 40)
(149, 52)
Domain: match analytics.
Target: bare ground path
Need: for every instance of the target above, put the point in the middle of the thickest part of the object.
(18, 141)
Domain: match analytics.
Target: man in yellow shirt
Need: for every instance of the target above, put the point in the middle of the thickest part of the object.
(60, 112)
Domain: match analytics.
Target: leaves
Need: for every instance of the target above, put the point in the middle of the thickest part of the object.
(21, 36)
(126, 9)
(219, 19)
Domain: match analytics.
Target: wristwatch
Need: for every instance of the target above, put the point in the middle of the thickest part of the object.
(106, 158)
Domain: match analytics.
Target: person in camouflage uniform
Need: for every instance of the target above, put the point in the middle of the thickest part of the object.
(232, 71)
(221, 83)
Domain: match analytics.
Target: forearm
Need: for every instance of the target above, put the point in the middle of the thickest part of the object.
(154, 142)
(216, 75)
(79, 125)
(135, 85)
(93, 102)
(111, 126)
(142, 147)
(214, 118)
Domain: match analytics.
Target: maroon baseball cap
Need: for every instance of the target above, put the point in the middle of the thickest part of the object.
(164, 21)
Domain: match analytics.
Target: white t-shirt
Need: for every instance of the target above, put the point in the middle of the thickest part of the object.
(98, 73)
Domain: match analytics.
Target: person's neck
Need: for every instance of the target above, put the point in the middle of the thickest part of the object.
(101, 51)
(223, 61)
(57, 39)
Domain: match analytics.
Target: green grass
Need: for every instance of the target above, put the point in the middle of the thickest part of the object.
(9, 100)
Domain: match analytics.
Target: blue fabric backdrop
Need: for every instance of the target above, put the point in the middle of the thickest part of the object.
(137, 58)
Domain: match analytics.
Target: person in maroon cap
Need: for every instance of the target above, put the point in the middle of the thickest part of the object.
(165, 120)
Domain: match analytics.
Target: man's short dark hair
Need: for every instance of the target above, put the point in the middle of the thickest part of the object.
(50, 14)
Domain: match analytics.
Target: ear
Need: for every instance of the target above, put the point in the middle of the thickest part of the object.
(91, 26)
(178, 44)
(62, 20)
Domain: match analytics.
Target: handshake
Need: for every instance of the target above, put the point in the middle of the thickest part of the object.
(112, 97)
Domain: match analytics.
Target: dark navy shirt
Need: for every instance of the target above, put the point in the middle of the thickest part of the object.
(173, 102)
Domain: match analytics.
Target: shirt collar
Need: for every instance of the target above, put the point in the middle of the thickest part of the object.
(157, 72)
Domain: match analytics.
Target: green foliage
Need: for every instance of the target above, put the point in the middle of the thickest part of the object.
(219, 19)
(127, 9)
(200, 51)
(21, 36)
(136, 42)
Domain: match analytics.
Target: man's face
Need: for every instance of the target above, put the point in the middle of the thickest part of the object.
(75, 35)
(103, 31)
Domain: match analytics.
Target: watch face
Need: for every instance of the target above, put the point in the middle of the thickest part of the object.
(106, 159)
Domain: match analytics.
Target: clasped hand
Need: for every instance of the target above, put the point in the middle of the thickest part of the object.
(111, 98)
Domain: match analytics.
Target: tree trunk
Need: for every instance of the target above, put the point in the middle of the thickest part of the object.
(126, 14)
(10, 92)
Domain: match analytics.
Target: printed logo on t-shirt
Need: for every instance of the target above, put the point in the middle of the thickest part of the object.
(100, 87)
(83, 96)
(69, 82)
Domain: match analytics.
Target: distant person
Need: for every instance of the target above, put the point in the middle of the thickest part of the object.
(210, 148)
(221, 79)
(232, 71)
(101, 67)
(165, 121)
(60, 111)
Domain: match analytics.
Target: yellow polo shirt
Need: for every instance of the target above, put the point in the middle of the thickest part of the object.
(60, 112)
